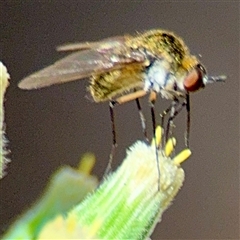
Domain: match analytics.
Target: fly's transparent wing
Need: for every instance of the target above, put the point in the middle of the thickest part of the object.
(75, 66)
(105, 57)
(106, 43)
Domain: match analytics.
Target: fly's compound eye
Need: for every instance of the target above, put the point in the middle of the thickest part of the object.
(194, 80)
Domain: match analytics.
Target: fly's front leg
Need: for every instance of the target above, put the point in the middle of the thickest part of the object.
(188, 121)
(176, 108)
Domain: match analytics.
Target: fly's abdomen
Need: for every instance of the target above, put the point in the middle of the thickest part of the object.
(109, 85)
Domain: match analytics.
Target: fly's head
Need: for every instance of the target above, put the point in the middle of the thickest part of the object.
(197, 78)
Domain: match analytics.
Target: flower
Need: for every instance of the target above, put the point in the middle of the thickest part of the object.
(4, 77)
(126, 205)
(130, 201)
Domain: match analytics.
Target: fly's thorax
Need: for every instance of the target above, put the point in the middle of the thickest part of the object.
(157, 75)
(161, 44)
(161, 78)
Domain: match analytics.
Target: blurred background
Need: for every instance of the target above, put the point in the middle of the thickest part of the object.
(54, 126)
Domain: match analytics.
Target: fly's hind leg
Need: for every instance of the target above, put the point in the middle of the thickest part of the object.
(135, 96)
(114, 142)
(142, 119)
(120, 100)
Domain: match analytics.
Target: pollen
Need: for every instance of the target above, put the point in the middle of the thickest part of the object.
(182, 156)
(171, 143)
(158, 136)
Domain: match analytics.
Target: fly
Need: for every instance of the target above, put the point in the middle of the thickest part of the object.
(125, 68)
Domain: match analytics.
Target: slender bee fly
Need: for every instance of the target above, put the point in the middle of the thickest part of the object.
(125, 68)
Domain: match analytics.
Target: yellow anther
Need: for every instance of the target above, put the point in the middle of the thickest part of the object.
(87, 163)
(171, 143)
(158, 135)
(182, 156)
(71, 223)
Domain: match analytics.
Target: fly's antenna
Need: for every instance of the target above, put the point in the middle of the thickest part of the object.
(213, 79)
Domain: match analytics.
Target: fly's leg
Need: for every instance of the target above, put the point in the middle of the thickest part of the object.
(130, 97)
(142, 118)
(135, 96)
(120, 100)
(187, 134)
(162, 115)
(173, 114)
(176, 108)
(114, 142)
(152, 100)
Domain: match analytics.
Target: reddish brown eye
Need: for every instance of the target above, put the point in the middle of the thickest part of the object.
(194, 80)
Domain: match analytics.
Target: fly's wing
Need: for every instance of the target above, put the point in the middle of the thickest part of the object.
(106, 43)
(100, 58)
